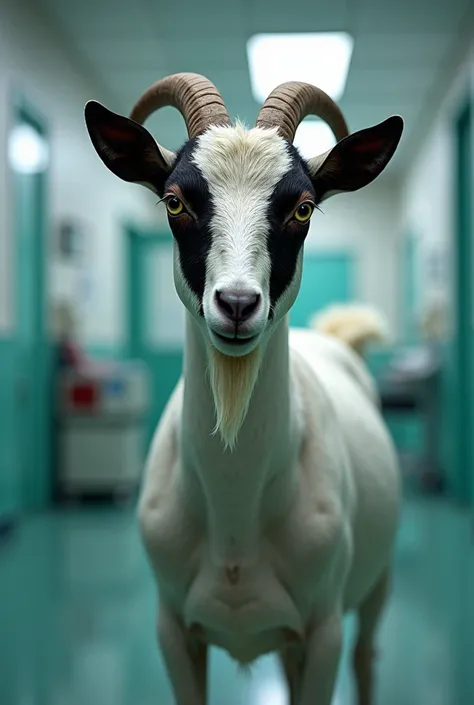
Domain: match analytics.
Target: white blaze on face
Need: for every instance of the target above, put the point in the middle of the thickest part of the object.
(241, 168)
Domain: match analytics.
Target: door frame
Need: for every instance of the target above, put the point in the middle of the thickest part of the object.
(135, 307)
(132, 296)
(36, 488)
(463, 305)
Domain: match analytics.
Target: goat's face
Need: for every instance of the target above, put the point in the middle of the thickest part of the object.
(239, 204)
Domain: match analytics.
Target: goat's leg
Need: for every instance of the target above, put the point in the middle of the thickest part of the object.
(185, 660)
(292, 663)
(321, 662)
(364, 654)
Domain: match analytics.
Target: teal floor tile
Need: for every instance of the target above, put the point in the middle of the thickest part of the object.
(77, 618)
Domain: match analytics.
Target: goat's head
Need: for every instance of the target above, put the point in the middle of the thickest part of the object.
(239, 200)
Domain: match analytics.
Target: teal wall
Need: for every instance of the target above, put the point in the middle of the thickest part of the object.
(458, 371)
(24, 486)
(328, 278)
(406, 428)
(448, 451)
(168, 367)
(10, 490)
(26, 355)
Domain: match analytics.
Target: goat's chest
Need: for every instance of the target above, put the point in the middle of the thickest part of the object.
(247, 602)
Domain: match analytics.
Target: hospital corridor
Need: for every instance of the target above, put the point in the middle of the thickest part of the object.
(179, 188)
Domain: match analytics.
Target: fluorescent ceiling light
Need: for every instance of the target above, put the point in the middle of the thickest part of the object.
(313, 137)
(320, 58)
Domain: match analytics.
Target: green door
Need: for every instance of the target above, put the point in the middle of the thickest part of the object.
(155, 330)
(463, 349)
(32, 383)
(327, 279)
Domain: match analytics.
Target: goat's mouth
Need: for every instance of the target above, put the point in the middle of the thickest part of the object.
(234, 340)
(233, 344)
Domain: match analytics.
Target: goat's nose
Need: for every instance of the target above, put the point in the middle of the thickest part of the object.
(237, 306)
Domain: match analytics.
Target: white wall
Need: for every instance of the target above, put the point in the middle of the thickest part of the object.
(34, 60)
(366, 223)
(427, 203)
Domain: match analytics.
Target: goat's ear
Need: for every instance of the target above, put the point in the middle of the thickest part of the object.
(127, 148)
(356, 160)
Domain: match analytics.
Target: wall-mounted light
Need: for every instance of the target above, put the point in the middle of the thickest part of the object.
(28, 151)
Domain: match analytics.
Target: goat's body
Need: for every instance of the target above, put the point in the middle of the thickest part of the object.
(270, 499)
(324, 527)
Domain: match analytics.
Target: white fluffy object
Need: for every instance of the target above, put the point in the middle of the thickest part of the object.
(354, 324)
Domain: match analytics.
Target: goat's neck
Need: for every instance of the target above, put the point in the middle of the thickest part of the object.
(236, 490)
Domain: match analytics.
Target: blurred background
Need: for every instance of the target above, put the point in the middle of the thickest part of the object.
(91, 330)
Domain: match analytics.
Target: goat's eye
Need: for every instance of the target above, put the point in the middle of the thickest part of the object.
(304, 212)
(174, 206)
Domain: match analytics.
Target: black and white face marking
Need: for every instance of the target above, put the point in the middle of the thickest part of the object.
(239, 246)
(239, 203)
(191, 229)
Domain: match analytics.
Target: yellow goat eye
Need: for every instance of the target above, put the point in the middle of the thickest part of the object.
(304, 212)
(174, 206)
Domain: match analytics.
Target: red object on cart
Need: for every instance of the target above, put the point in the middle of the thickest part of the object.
(84, 395)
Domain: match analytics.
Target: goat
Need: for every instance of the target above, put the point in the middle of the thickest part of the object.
(270, 498)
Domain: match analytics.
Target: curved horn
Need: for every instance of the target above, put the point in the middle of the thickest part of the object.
(289, 103)
(197, 99)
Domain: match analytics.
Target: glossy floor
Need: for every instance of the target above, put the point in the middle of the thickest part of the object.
(77, 619)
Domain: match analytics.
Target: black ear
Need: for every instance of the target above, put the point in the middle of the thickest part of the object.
(356, 160)
(127, 148)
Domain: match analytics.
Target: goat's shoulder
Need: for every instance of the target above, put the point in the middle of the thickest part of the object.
(164, 443)
(163, 457)
(166, 528)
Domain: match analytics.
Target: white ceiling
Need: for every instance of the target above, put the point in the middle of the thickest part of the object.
(404, 51)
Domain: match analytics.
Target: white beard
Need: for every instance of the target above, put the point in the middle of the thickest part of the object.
(232, 381)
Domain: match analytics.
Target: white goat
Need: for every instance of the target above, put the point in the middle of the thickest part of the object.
(270, 500)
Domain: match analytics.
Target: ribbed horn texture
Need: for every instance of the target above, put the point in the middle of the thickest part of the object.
(197, 99)
(291, 102)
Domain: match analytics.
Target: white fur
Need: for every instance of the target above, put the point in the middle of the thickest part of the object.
(242, 168)
(305, 506)
(264, 545)
(232, 383)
